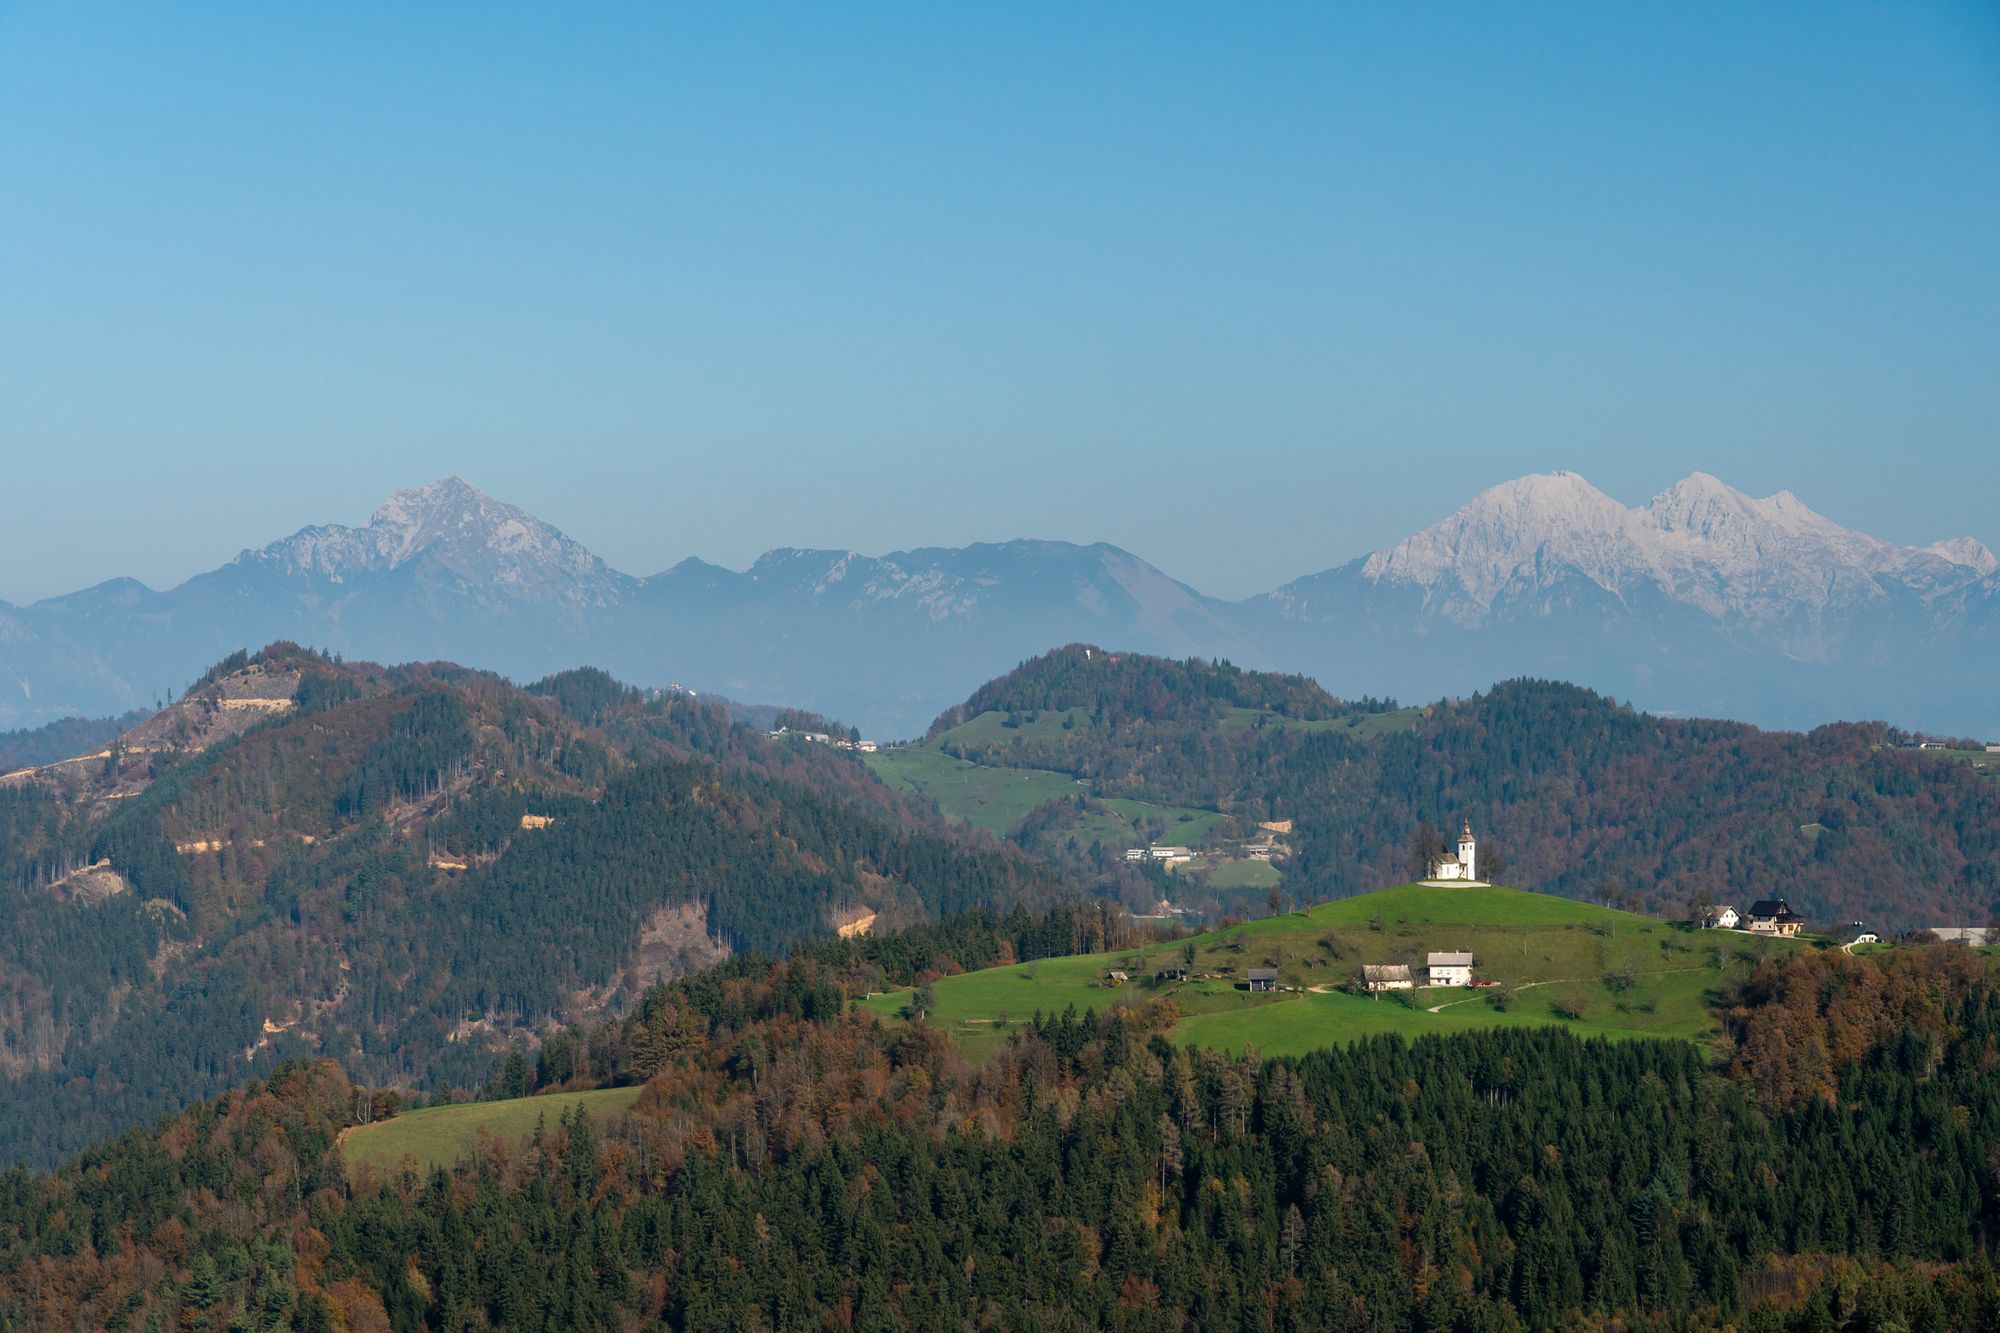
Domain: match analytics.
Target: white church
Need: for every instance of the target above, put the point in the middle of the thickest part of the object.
(1461, 868)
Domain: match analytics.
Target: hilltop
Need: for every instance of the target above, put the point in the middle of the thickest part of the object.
(1594, 970)
(1081, 753)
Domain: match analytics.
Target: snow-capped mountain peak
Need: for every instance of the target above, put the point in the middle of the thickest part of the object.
(1700, 542)
(1722, 530)
(1966, 552)
(1512, 535)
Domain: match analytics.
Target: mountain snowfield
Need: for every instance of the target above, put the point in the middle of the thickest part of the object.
(1704, 600)
(1699, 542)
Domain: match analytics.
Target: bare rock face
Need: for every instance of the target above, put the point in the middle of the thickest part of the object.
(674, 942)
(213, 713)
(90, 885)
(496, 550)
(207, 715)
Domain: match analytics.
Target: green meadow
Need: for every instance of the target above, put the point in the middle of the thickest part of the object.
(995, 799)
(998, 799)
(1242, 875)
(1555, 961)
(1185, 827)
(440, 1135)
(992, 728)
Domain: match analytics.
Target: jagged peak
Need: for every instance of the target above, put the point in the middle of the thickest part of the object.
(1722, 530)
(1705, 488)
(1966, 551)
(453, 510)
(1508, 531)
(451, 521)
(1700, 499)
(448, 487)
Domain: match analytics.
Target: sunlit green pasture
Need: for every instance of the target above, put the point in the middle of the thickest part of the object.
(1555, 961)
(997, 799)
(440, 1135)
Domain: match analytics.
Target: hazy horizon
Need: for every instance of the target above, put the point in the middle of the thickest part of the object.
(1247, 294)
(647, 566)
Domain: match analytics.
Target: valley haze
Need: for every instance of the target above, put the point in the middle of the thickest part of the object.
(1705, 601)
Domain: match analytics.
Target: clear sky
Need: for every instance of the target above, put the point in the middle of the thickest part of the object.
(1248, 289)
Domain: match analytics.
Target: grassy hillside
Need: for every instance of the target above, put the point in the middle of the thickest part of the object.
(1557, 961)
(998, 799)
(995, 799)
(441, 1135)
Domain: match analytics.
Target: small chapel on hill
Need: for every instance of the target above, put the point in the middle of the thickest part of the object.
(1461, 867)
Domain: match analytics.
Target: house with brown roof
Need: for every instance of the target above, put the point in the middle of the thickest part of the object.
(1774, 916)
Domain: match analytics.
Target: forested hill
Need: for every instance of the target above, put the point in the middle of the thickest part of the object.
(1569, 792)
(791, 1163)
(1121, 688)
(414, 869)
(60, 739)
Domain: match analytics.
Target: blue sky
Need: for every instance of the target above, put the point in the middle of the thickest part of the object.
(1246, 289)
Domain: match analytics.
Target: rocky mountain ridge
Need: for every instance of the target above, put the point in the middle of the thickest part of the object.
(499, 549)
(1701, 541)
(1703, 600)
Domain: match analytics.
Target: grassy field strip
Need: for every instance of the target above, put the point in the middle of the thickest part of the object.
(1485, 991)
(440, 1135)
(1244, 875)
(997, 799)
(992, 728)
(1184, 825)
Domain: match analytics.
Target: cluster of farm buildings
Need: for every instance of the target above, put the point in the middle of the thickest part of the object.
(1441, 969)
(1774, 916)
(823, 738)
(1451, 968)
(1767, 916)
(1265, 848)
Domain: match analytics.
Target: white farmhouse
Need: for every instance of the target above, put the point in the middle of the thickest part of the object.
(1726, 918)
(1450, 969)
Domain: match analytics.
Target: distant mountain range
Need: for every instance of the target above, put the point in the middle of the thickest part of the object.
(1704, 601)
